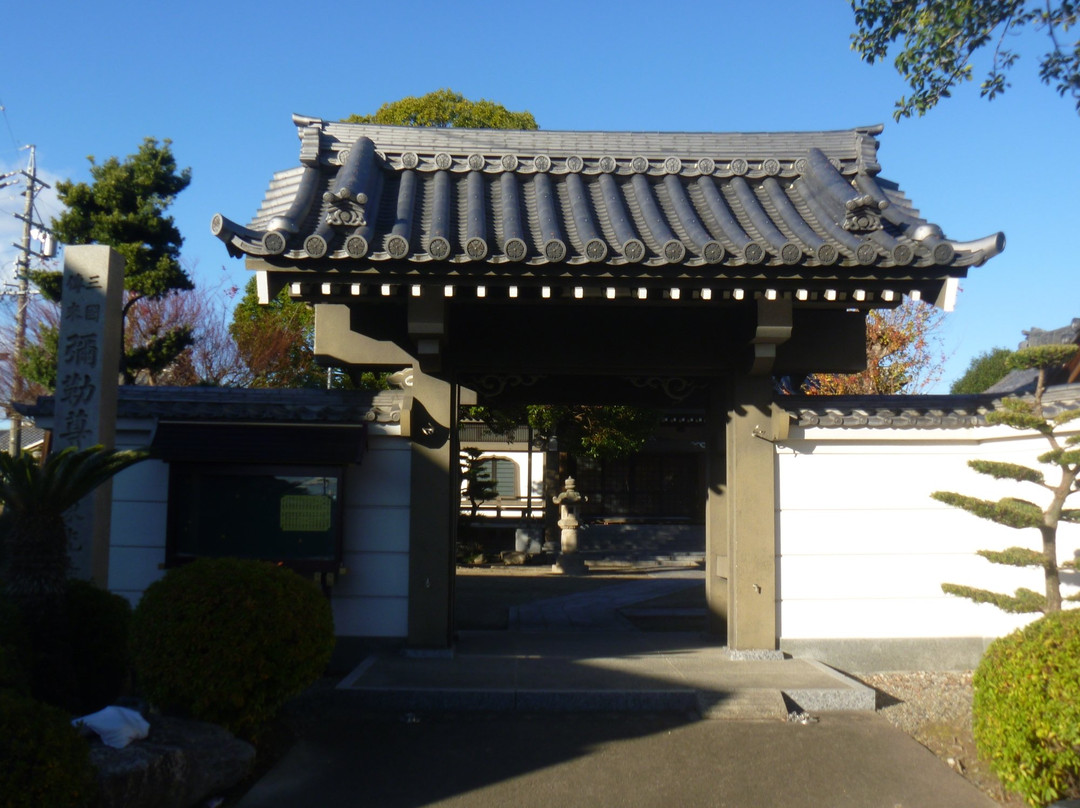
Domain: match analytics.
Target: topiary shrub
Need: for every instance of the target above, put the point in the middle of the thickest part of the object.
(1027, 708)
(99, 623)
(229, 641)
(45, 760)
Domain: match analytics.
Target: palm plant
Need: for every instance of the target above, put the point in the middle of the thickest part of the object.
(34, 498)
(35, 565)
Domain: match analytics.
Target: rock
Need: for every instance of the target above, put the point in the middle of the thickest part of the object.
(177, 766)
(514, 558)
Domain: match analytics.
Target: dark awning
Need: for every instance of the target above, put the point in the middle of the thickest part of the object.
(187, 442)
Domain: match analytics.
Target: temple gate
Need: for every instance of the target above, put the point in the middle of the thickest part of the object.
(597, 267)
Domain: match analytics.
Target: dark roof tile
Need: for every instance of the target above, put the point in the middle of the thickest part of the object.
(461, 196)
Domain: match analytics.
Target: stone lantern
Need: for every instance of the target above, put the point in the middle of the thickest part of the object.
(569, 502)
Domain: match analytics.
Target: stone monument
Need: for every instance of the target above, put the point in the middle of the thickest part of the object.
(88, 364)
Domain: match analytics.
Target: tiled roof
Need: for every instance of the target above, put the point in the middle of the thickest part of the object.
(209, 404)
(897, 412)
(1017, 382)
(369, 198)
(31, 436)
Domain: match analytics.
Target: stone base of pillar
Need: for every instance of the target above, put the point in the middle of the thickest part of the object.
(569, 564)
(754, 654)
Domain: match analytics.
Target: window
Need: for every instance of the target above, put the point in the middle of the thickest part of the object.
(288, 514)
(502, 472)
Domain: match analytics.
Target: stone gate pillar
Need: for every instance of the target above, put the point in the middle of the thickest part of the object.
(435, 496)
(741, 513)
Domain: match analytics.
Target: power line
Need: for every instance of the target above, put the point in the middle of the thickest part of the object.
(7, 122)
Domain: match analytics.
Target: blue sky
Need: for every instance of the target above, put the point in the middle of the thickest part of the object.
(221, 80)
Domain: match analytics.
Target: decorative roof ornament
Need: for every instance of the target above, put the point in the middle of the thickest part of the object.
(345, 209)
(863, 214)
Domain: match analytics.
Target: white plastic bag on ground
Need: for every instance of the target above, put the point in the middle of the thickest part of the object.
(117, 726)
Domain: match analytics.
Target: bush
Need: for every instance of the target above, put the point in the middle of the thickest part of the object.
(15, 662)
(46, 761)
(1027, 708)
(80, 671)
(229, 641)
(98, 625)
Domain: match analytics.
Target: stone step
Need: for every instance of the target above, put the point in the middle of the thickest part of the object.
(749, 704)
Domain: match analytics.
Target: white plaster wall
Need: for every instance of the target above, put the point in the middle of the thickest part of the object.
(139, 509)
(863, 549)
(370, 600)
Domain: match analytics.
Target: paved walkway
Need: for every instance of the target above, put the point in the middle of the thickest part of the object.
(574, 708)
(599, 609)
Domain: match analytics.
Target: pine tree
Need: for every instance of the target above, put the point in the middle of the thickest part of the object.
(1063, 455)
(124, 208)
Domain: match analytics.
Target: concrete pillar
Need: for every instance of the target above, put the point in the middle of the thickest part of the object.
(435, 496)
(751, 515)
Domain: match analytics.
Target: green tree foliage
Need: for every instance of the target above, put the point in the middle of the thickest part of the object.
(1025, 415)
(1026, 711)
(597, 431)
(445, 108)
(125, 208)
(903, 354)
(600, 431)
(984, 371)
(941, 38)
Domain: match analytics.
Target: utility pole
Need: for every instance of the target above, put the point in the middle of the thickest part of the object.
(22, 293)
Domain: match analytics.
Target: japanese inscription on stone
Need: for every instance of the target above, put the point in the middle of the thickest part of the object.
(85, 400)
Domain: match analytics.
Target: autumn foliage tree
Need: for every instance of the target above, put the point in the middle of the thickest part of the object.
(1063, 458)
(903, 354)
(275, 341)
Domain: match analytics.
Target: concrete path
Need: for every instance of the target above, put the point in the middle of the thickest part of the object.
(575, 708)
(599, 608)
(485, 760)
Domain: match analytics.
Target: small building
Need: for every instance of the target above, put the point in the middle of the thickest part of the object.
(317, 480)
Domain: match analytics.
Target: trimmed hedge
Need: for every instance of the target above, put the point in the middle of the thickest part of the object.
(45, 760)
(1027, 708)
(98, 626)
(229, 641)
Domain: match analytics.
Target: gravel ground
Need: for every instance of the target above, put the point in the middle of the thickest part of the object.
(934, 708)
(915, 699)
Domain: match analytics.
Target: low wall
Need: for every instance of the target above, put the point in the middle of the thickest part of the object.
(863, 549)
